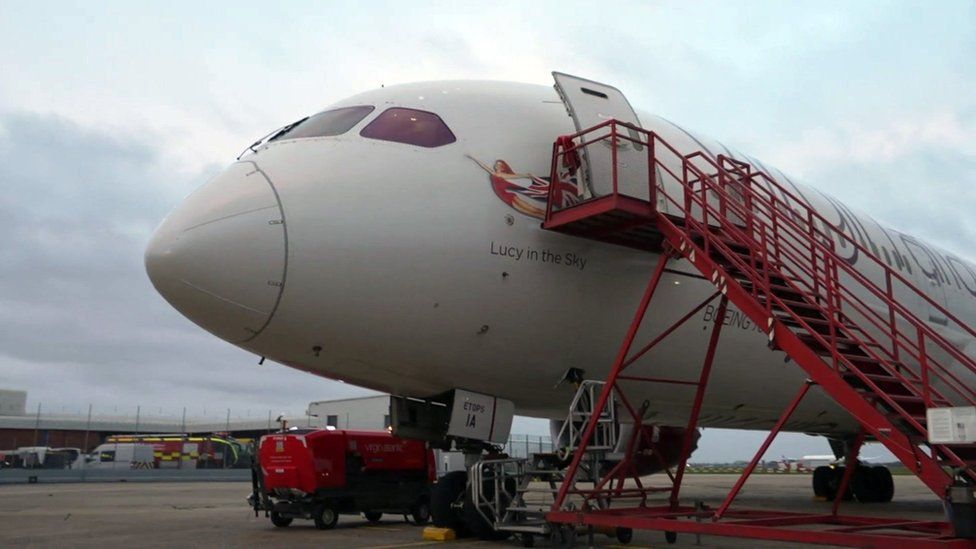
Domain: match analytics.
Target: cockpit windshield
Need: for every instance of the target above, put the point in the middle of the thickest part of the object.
(409, 126)
(328, 123)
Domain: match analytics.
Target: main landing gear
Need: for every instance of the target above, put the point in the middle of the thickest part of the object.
(870, 484)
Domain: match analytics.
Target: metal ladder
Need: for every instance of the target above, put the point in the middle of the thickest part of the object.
(581, 410)
(506, 491)
(506, 497)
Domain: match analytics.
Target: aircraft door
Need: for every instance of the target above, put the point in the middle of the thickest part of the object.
(590, 103)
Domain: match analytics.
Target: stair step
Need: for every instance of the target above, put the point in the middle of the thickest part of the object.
(812, 321)
(540, 510)
(920, 418)
(885, 382)
(532, 527)
(863, 360)
(731, 243)
(877, 378)
(909, 399)
(964, 451)
(809, 338)
(967, 462)
(794, 305)
(918, 399)
(781, 291)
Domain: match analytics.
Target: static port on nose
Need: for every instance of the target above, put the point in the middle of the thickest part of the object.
(219, 258)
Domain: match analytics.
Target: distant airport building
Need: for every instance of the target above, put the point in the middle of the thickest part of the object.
(370, 413)
(20, 429)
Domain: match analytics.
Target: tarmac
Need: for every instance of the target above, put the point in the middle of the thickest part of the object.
(215, 514)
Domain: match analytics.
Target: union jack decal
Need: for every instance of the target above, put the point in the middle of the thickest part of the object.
(527, 193)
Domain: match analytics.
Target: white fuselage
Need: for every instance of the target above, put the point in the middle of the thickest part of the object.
(399, 268)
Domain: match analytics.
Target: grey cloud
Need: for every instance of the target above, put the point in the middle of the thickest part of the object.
(80, 320)
(927, 193)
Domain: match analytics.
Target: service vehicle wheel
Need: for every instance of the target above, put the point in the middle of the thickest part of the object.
(625, 535)
(445, 493)
(325, 516)
(373, 516)
(280, 521)
(421, 512)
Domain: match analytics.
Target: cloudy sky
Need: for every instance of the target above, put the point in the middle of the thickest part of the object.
(109, 115)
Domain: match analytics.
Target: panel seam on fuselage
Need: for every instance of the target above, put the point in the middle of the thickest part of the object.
(284, 270)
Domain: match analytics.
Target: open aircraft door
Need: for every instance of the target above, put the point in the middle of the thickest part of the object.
(590, 103)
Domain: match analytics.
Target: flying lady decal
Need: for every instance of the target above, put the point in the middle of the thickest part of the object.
(527, 193)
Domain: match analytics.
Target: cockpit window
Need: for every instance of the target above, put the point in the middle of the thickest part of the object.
(334, 122)
(410, 126)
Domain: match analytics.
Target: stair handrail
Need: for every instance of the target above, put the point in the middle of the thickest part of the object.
(894, 405)
(811, 234)
(853, 299)
(708, 183)
(586, 392)
(811, 213)
(860, 278)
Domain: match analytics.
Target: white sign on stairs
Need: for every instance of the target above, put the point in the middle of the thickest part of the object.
(952, 425)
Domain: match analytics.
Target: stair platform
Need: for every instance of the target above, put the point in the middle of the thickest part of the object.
(615, 219)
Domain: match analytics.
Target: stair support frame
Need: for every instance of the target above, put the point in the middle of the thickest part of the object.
(828, 375)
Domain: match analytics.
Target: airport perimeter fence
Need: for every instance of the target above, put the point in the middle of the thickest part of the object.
(62, 444)
(521, 446)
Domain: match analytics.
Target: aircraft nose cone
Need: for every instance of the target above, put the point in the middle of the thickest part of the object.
(220, 257)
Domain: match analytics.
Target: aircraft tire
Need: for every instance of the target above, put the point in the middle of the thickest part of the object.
(443, 495)
(477, 524)
(833, 484)
(873, 484)
(864, 485)
(821, 481)
(884, 482)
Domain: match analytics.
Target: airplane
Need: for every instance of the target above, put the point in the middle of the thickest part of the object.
(393, 241)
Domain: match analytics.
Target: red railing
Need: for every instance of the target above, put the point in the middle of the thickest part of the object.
(789, 240)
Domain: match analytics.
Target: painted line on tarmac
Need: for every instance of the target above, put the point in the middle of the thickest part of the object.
(414, 544)
(430, 543)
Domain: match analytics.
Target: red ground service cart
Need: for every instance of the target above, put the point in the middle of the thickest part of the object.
(320, 474)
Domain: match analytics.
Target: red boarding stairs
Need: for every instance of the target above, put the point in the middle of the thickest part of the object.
(775, 258)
